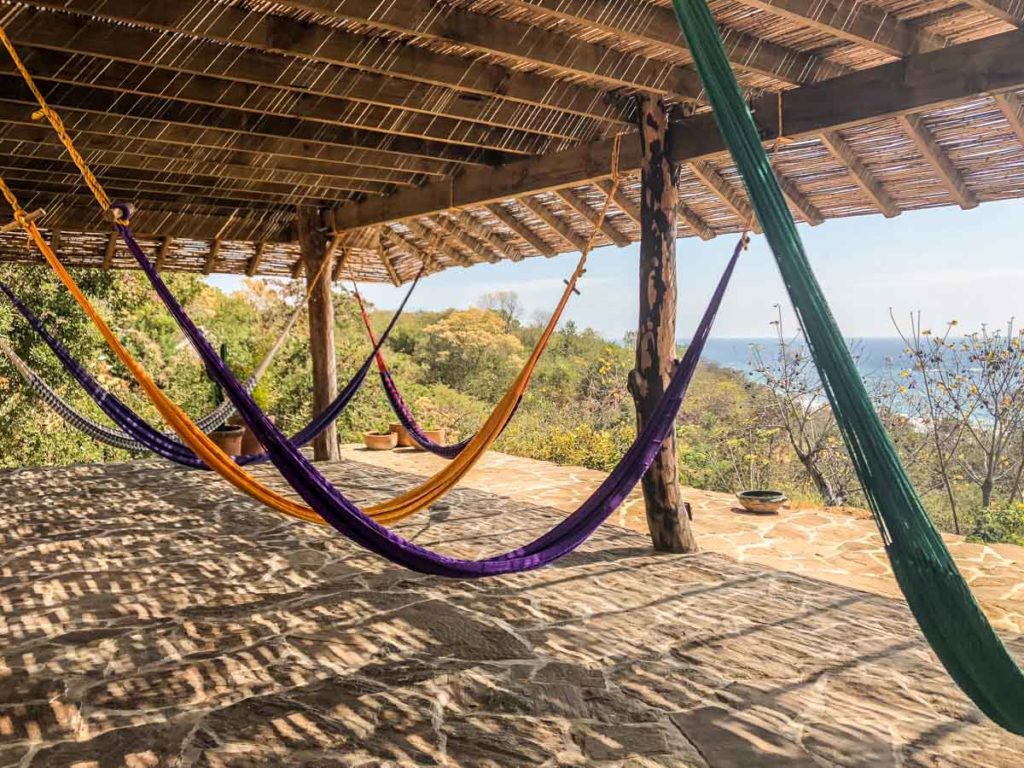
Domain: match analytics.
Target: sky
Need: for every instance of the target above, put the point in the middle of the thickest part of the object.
(947, 263)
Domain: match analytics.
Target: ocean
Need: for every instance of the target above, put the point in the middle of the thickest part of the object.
(873, 355)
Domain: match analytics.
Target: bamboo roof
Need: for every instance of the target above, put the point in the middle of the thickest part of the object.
(472, 131)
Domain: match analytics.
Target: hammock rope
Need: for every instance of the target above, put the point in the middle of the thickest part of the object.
(940, 599)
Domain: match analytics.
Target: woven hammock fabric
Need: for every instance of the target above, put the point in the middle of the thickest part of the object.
(140, 431)
(352, 522)
(407, 503)
(937, 594)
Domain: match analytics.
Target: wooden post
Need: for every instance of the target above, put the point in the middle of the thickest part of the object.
(314, 235)
(656, 334)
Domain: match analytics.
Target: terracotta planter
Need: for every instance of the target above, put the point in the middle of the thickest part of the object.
(404, 441)
(436, 435)
(762, 502)
(377, 441)
(229, 439)
(250, 445)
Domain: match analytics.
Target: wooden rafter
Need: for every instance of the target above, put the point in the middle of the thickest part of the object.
(439, 240)
(1008, 11)
(560, 227)
(501, 248)
(1013, 110)
(799, 200)
(650, 24)
(480, 251)
(632, 210)
(161, 254)
(305, 41)
(584, 209)
(860, 173)
(257, 257)
(521, 231)
(211, 257)
(524, 43)
(727, 193)
(936, 156)
(48, 40)
(918, 83)
(854, 21)
(111, 250)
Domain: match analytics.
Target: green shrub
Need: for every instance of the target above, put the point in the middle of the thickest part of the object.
(999, 525)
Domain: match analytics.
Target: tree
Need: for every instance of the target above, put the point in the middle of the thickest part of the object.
(972, 388)
(506, 304)
(799, 407)
(470, 351)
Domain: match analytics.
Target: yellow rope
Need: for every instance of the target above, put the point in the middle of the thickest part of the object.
(58, 125)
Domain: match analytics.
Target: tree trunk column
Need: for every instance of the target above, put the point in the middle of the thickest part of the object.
(314, 238)
(667, 516)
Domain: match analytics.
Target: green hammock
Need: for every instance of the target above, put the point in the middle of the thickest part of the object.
(937, 594)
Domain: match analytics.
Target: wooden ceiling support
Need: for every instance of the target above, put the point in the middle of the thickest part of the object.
(860, 173)
(936, 156)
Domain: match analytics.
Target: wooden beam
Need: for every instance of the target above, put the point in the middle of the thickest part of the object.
(341, 260)
(436, 240)
(855, 22)
(1013, 110)
(303, 41)
(503, 249)
(455, 233)
(63, 36)
(524, 43)
(936, 156)
(632, 210)
(161, 254)
(583, 208)
(170, 83)
(55, 239)
(920, 82)
(108, 255)
(522, 231)
(313, 240)
(1007, 11)
(383, 256)
(860, 174)
(548, 216)
(114, 131)
(406, 243)
(109, 100)
(727, 193)
(799, 200)
(667, 517)
(211, 257)
(256, 258)
(654, 25)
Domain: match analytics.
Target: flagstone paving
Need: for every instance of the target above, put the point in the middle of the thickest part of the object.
(839, 546)
(151, 616)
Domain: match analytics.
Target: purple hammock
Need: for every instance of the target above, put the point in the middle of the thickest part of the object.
(347, 518)
(402, 410)
(159, 442)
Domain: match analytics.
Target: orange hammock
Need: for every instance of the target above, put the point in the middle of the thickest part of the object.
(390, 511)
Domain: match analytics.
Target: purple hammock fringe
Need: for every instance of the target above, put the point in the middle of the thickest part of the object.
(157, 441)
(350, 521)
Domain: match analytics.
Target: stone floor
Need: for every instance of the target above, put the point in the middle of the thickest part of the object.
(153, 617)
(842, 547)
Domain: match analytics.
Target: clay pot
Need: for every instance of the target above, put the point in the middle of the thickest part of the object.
(380, 441)
(436, 435)
(404, 441)
(250, 445)
(762, 502)
(228, 438)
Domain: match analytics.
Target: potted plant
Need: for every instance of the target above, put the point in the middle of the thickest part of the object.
(434, 435)
(404, 440)
(380, 441)
(261, 394)
(228, 438)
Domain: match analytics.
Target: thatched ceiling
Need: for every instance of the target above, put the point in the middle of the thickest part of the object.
(218, 118)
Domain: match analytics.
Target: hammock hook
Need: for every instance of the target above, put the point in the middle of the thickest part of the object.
(121, 212)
